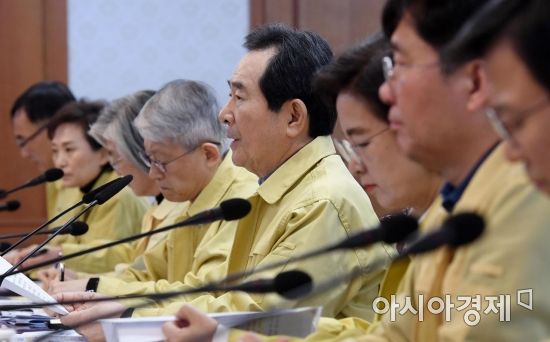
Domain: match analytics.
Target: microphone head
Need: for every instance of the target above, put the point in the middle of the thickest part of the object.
(396, 228)
(11, 205)
(89, 197)
(52, 175)
(109, 191)
(78, 228)
(293, 284)
(464, 228)
(4, 246)
(235, 208)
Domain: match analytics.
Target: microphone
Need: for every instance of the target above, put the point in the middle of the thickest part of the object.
(86, 199)
(289, 284)
(292, 284)
(100, 198)
(4, 246)
(77, 228)
(50, 175)
(10, 206)
(391, 229)
(231, 209)
(456, 231)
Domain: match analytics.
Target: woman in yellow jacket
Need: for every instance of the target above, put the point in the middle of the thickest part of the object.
(114, 129)
(85, 165)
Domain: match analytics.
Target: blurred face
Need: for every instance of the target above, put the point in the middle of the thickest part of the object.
(386, 174)
(73, 154)
(425, 106)
(257, 132)
(38, 150)
(182, 173)
(141, 184)
(522, 107)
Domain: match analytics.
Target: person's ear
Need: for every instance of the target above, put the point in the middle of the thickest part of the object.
(211, 154)
(296, 116)
(103, 156)
(478, 86)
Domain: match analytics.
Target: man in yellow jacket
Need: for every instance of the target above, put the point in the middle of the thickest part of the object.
(307, 197)
(487, 288)
(189, 253)
(495, 288)
(29, 114)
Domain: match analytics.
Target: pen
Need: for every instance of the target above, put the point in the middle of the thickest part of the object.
(40, 252)
(61, 267)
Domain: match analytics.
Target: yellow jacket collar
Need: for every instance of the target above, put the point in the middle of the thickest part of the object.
(211, 194)
(162, 210)
(295, 167)
(105, 177)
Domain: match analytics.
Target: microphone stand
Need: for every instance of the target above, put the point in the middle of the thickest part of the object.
(100, 247)
(97, 196)
(187, 222)
(26, 237)
(33, 252)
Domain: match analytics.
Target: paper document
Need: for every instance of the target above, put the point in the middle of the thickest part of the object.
(298, 322)
(65, 336)
(23, 286)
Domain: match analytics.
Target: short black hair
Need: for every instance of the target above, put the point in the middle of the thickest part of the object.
(81, 113)
(358, 70)
(290, 72)
(481, 32)
(42, 100)
(525, 22)
(530, 34)
(436, 21)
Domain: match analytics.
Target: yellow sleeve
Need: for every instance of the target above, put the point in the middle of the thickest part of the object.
(502, 262)
(99, 261)
(117, 218)
(330, 329)
(309, 228)
(137, 279)
(176, 261)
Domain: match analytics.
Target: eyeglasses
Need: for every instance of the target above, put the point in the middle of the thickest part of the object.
(389, 68)
(344, 149)
(505, 130)
(360, 146)
(350, 152)
(161, 165)
(21, 142)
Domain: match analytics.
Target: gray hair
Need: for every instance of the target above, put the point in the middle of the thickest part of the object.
(185, 112)
(115, 124)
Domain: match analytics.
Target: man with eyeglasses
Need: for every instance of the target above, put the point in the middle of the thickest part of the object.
(306, 197)
(29, 116)
(188, 156)
(438, 116)
(511, 36)
(279, 130)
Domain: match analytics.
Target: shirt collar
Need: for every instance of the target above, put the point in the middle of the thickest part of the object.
(219, 184)
(96, 181)
(164, 208)
(292, 170)
(451, 194)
